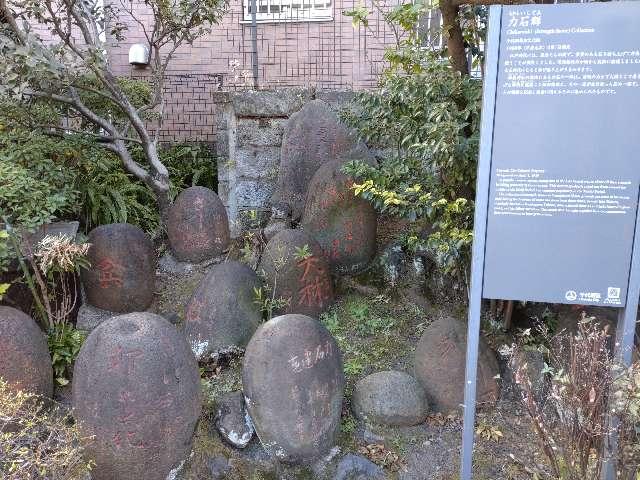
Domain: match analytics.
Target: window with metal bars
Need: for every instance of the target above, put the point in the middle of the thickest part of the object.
(289, 10)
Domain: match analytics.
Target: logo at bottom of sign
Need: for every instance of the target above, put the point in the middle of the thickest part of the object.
(613, 296)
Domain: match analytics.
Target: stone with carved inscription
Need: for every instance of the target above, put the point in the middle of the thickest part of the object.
(121, 276)
(439, 366)
(344, 225)
(198, 227)
(293, 385)
(312, 137)
(389, 398)
(296, 270)
(25, 363)
(136, 391)
(223, 312)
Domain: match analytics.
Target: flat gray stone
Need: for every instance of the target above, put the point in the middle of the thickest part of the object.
(355, 467)
(390, 398)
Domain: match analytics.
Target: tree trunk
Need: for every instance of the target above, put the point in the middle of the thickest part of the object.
(454, 37)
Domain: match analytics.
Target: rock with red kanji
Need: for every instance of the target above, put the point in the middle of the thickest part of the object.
(293, 385)
(294, 265)
(222, 312)
(25, 363)
(344, 225)
(198, 228)
(313, 136)
(121, 276)
(136, 392)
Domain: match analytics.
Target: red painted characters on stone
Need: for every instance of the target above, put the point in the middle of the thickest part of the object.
(110, 273)
(315, 282)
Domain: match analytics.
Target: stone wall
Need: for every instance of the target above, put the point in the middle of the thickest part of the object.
(250, 126)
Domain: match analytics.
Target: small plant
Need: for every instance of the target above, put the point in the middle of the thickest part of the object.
(64, 344)
(302, 253)
(268, 302)
(488, 431)
(38, 443)
(353, 367)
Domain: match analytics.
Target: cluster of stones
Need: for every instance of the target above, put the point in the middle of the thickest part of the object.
(136, 386)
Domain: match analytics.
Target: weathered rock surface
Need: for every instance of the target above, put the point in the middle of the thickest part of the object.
(136, 389)
(233, 421)
(121, 277)
(303, 280)
(293, 386)
(198, 228)
(439, 364)
(344, 225)
(355, 467)
(25, 363)
(312, 137)
(89, 317)
(389, 398)
(222, 311)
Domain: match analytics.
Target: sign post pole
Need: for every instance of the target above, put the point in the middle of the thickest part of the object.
(479, 238)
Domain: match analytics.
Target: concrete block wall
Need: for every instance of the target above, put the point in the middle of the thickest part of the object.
(249, 138)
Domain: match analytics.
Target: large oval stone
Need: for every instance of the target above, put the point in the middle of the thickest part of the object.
(312, 137)
(25, 363)
(389, 398)
(222, 312)
(197, 227)
(296, 269)
(344, 225)
(440, 366)
(136, 390)
(121, 277)
(293, 386)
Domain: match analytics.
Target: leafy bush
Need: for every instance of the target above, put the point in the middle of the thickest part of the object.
(45, 177)
(35, 442)
(425, 117)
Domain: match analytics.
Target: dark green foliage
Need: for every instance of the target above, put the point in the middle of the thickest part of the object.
(425, 118)
(44, 177)
(64, 345)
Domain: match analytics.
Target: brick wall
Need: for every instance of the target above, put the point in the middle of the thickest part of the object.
(326, 55)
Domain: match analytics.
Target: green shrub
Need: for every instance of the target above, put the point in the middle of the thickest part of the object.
(425, 118)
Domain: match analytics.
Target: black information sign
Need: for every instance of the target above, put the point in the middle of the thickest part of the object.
(565, 165)
(558, 171)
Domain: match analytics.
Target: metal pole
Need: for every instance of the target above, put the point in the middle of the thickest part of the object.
(254, 42)
(479, 238)
(625, 335)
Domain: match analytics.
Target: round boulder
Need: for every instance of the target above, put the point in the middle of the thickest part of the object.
(295, 268)
(25, 363)
(344, 225)
(312, 137)
(136, 391)
(440, 366)
(197, 227)
(222, 311)
(293, 386)
(389, 398)
(121, 276)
